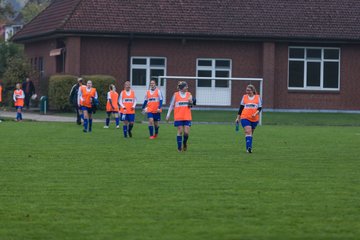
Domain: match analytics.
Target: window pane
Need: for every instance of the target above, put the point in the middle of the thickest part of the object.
(139, 77)
(205, 63)
(222, 83)
(157, 62)
(331, 54)
(331, 75)
(296, 74)
(204, 82)
(297, 53)
(154, 73)
(313, 53)
(222, 63)
(313, 74)
(141, 61)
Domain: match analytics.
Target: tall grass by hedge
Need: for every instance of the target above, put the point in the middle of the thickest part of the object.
(60, 87)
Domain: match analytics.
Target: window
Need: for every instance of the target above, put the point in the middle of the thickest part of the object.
(212, 68)
(143, 69)
(314, 68)
(41, 67)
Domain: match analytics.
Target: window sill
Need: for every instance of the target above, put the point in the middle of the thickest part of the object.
(317, 91)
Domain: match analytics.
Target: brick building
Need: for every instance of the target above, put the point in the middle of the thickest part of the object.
(307, 52)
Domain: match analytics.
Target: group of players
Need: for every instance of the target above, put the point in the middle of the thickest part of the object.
(122, 107)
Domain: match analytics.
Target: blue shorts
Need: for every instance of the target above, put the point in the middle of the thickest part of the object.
(182, 123)
(19, 107)
(245, 122)
(155, 116)
(89, 110)
(127, 117)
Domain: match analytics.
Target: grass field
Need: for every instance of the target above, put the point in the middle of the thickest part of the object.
(301, 182)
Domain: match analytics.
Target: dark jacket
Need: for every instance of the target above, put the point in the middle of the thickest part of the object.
(28, 88)
(74, 94)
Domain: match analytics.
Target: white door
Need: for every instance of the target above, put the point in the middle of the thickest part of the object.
(209, 91)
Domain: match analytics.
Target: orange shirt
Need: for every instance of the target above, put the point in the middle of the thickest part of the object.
(128, 102)
(114, 96)
(19, 97)
(0, 93)
(86, 96)
(250, 107)
(153, 100)
(182, 110)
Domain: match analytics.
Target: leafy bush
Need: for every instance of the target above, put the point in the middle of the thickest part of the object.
(59, 90)
(60, 87)
(18, 68)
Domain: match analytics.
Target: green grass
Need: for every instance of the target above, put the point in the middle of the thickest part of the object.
(301, 182)
(269, 118)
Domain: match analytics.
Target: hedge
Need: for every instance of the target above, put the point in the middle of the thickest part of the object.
(60, 87)
(59, 90)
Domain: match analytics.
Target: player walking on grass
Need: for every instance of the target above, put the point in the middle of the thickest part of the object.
(152, 106)
(127, 102)
(112, 106)
(181, 102)
(86, 99)
(19, 97)
(248, 114)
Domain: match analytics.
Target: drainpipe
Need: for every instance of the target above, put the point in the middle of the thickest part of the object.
(129, 56)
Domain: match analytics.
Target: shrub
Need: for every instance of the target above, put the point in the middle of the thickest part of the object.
(17, 70)
(60, 87)
(101, 83)
(59, 90)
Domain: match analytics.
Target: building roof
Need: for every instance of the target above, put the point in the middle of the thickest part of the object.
(334, 20)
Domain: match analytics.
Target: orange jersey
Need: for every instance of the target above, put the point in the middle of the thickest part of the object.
(182, 110)
(86, 96)
(114, 96)
(0, 93)
(19, 97)
(153, 100)
(250, 107)
(127, 102)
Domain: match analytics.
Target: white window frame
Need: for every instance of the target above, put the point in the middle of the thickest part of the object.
(148, 69)
(321, 61)
(213, 70)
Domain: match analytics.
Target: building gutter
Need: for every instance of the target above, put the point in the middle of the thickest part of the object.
(133, 35)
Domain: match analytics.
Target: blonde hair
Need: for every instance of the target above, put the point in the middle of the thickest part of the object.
(252, 87)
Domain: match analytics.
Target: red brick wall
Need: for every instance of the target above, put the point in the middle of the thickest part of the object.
(255, 60)
(110, 56)
(42, 49)
(104, 56)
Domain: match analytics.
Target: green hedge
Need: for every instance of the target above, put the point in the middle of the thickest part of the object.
(60, 86)
(59, 90)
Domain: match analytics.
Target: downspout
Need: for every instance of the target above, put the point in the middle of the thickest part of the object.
(129, 55)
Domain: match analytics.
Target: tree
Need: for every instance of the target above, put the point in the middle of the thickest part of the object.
(8, 50)
(6, 11)
(33, 8)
